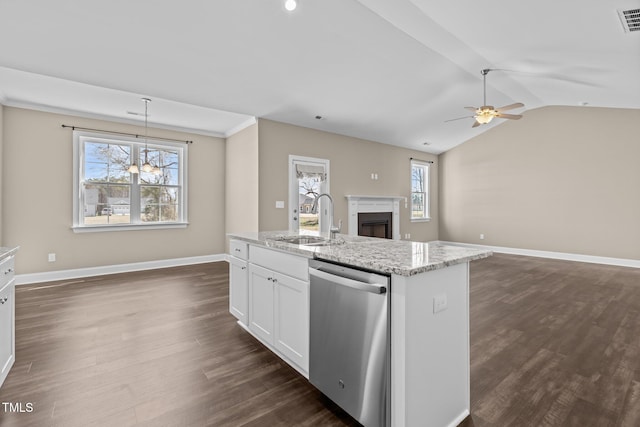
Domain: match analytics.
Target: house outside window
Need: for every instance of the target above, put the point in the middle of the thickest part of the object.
(419, 191)
(108, 197)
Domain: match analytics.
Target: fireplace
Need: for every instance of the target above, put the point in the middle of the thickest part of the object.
(375, 224)
(375, 205)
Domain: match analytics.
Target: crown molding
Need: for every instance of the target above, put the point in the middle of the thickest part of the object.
(77, 113)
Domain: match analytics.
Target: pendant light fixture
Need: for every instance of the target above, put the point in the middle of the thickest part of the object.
(146, 166)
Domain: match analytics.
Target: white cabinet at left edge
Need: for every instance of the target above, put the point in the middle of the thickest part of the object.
(269, 295)
(7, 313)
(239, 281)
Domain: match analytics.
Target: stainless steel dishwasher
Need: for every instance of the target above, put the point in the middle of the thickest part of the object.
(349, 358)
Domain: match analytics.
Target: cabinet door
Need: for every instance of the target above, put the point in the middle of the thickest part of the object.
(7, 345)
(292, 319)
(239, 289)
(261, 302)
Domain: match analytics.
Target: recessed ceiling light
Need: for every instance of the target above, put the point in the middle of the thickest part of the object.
(290, 5)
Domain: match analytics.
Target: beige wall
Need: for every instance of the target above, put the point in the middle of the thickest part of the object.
(241, 181)
(352, 161)
(37, 199)
(562, 179)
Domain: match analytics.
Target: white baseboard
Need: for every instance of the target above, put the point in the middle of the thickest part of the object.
(49, 276)
(622, 262)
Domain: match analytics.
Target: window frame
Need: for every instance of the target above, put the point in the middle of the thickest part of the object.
(136, 146)
(426, 166)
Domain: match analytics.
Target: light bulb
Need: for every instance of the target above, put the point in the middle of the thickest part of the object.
(147, 167)
(133, 169)
(484, 119)
(290, 5)
(484, 115)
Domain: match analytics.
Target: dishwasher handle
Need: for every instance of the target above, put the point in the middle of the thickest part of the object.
(350, 283)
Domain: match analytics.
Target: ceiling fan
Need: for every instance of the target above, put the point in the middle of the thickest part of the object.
(486, 113)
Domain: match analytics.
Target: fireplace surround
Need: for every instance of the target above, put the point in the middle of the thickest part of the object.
(374, 204)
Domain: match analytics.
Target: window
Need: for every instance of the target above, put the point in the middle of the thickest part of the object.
(308, 178)
(419, 191)
(107, 196)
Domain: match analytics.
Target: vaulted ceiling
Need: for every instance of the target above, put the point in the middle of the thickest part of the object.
(388, 71)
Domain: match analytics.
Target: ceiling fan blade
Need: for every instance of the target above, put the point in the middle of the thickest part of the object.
(459, 118)
(510, 107)
(475, 124)
(509, 116)
(471, 108)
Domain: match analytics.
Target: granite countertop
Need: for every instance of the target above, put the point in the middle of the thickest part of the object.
(400, 257)
(7, 252)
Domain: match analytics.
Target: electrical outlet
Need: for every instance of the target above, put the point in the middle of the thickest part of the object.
(439, 303)
(52, 257)
(279, 204)
(482, 237)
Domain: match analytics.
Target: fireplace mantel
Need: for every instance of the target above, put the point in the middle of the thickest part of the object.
(357, 204)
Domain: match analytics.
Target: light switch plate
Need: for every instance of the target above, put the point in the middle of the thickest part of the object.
(439, 303)
(279, 204)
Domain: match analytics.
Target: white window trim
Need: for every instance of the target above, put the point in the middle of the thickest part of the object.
(78, 227)
(427, 166)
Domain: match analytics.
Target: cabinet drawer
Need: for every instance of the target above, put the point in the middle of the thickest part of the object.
(291, 265)
(6, 271)
(239, 249)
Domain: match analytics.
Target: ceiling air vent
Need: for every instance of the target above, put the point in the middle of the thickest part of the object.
(630, 19)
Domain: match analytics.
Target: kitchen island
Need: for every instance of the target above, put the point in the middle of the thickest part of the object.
(429, 312)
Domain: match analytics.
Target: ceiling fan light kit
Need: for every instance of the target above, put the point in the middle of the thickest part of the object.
(485, 114)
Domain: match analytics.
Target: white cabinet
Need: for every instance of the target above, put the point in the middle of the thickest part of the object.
(269, 295)
(292, 319)
(279, 303)
(261, 301)
(239, 281)
(7, 318)
(239, 289)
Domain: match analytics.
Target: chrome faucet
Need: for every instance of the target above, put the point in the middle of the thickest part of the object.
(333, 230)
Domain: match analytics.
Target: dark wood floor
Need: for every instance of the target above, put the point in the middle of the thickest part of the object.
(154, 348)
(553, 343)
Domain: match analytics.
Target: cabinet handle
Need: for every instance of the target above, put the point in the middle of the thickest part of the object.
(3, 300)
(9, 271)
(237, 250)
(275, 280)
(269, 279)
(243, 268)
